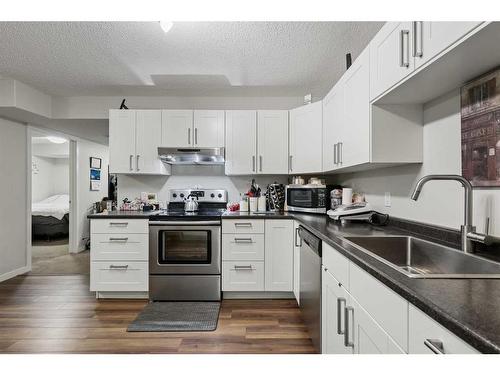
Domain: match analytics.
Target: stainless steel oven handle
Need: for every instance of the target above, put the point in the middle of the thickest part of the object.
(177, 223)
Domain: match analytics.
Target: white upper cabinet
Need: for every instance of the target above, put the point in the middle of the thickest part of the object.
(177, 128)
(272, 142)
(241, 142)
(391, 56)
(306, 133)
(133, 142)
(208, 128)
(333, 124)
(431, 37)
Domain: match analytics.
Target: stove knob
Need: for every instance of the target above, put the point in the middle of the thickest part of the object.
(219, 195)
(182, 195)
(212, 195)
(174, 195)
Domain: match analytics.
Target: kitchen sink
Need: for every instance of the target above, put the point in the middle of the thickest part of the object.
(418, 258)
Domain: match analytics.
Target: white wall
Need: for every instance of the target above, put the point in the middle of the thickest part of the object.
(441, 202)
(209, 177)
(50, 177)
(86, 197)
(13, 190)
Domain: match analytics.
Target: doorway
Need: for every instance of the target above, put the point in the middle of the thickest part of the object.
(53, 161)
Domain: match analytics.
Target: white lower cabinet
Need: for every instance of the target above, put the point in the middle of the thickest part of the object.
(243, 276)
(279, 255)
(119, 276)
(426, 336)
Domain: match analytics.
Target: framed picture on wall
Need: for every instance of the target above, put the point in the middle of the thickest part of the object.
(95, 163)
(480, 113)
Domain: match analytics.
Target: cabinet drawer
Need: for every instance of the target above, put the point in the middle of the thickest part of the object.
(130, 246)
(336, 264)
(243, 247)
(242, 226)
(243, 276)
(112, 226)
(386, 307)
(119, 276)
(423, 328)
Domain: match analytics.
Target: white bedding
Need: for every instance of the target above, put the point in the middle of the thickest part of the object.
(56, 206)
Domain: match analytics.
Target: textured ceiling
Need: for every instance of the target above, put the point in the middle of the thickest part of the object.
(193, 59)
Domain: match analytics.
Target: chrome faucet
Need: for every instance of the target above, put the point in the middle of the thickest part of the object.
(468, 230)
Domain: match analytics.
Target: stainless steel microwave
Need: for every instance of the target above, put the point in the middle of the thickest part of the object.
(307, 198)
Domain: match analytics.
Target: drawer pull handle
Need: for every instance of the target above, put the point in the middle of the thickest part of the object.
(113, 267)
(119, 224)
(340, 308)
(250, 268)
(118, 239)
(435, 346)
(347, 322)
(243, 240)
(243, 224)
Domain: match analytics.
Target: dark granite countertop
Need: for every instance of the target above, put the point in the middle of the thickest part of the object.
(470, 308)
(122, 215)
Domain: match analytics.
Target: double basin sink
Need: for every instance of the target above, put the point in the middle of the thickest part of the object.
(418, 258)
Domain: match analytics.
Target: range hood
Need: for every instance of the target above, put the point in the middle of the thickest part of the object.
(192, 155)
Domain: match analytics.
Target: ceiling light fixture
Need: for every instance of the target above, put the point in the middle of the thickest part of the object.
(57, 140)
(166, 25)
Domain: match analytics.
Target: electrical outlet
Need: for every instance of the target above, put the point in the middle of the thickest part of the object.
(387, 200)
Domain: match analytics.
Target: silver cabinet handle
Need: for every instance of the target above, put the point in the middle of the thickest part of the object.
(242, 224)
(435, 346)
(189, 136)
(290, 162)
(243, 240)
(113, 267)
(335, 154)
(119, 224)
(137, 162)
(347, 322)
(249, 267)
(417, 39)
(297, 237)
(260, 163)
(120, 239)
(340, 153)
(404, 63)
(195, 136)
(130, 162)
(253, 163)
(340, 301)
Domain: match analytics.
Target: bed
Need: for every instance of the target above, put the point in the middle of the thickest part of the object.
(50, 217)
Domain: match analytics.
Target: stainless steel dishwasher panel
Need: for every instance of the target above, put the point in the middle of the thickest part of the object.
(310, 285)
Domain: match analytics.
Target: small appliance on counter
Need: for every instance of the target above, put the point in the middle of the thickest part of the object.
(354, 211)
(312, 198)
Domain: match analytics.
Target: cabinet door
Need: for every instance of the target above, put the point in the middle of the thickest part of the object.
(177, 128)
(306, 144)
(208, 128)
(334, 299)
(272, 142)
(296, 262)
(122, 141)
(431, 38)
(391, 56)
(355, 133)
(241, 142)
(148, 136)
(333, 113)
(278, 257)
(366, 336)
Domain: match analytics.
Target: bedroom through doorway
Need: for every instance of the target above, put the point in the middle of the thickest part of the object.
(51, 172)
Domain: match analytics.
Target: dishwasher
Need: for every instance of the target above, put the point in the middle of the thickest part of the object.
(310, 284)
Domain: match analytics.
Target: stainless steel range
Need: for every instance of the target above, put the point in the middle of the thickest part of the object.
(185, 248)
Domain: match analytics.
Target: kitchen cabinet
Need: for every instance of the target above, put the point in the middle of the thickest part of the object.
(208, 128)
(431, 37)
(177, 128)
(306, 144)
(333, 125)
(296, 261)
(241, 142)
(391, 56)
(272, 142)
(133, 142)
(278, 259)
(426, 336)
(334, 299)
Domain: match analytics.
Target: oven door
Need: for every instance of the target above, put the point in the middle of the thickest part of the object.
(184, 248)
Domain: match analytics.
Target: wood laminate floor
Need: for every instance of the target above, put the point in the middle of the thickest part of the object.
(58, 314)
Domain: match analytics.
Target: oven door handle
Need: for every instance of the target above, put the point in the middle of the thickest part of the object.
(176, 223)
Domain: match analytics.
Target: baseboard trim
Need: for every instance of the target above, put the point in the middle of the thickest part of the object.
(125, 295)
(14, 273)
(258, 295)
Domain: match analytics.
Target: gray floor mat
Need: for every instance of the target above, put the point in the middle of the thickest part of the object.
(176, 316)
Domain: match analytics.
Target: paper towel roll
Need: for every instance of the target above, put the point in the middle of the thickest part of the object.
(346, 196)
